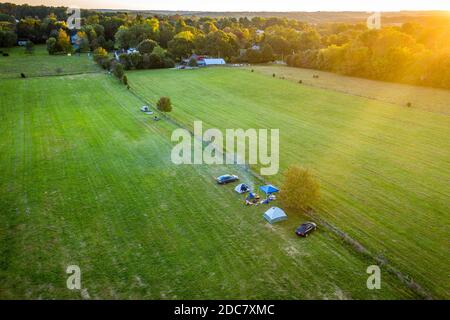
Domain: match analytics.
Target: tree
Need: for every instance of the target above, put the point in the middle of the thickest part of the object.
(128, 37)
(146, 46)
(300, 190)
(135, 60)
(155, 61)
(266, 53)
(164, 104)
(7, 38)
(253, 56)
(309, 40)
(100, 54)
(63, 42)
(82, 41)
(51, 45)
(166, 33)
(221, 44)
(180, 47)
(118, 70)
(29, 47)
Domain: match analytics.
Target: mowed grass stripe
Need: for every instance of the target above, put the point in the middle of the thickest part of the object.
(384, 168)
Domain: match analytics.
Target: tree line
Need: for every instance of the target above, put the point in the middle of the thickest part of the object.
(416, 53)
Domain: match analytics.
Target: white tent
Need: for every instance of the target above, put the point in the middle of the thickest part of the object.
(275, 214)
(242, 188)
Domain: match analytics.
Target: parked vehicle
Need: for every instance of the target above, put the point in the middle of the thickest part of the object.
(306, 229)
(226, 178)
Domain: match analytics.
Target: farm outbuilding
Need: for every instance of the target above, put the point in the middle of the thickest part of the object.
(214, 62)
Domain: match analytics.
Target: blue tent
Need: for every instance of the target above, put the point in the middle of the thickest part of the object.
(269, 189)
(275, 214)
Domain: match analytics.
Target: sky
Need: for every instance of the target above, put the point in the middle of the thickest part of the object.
(250, 5)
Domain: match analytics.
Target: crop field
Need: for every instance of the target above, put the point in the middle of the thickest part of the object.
(86, 179)
(384, 168)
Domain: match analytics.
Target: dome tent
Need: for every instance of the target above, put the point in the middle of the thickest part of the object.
(275, 214)
(242, 188)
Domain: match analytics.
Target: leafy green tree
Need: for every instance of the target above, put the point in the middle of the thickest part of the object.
(309, 40)
(118, 70)
(266, 53)
(100, 54)
(221, 44)
(82, 42)
(63, 42)
(164, 104)
(155, 61)
(7, 38)
(166, 33)
(180, 47)
(51, 45)
(300, 189)
(146, 46)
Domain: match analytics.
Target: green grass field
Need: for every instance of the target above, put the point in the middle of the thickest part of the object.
(422, 98)
(86, 179)
(40, 64)
(384, 168)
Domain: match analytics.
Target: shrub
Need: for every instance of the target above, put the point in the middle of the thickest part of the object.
(192, 62)
(51, 45)
(118, 70)
(164, 104)
(273, 75)
(146, 46)
(409, 104)
(106, 63)
(135, 60)
(63, 42)
(29, 47)
(155, 61)
(100, 55)
(125, 80)
(168, 63)
(300, 189)
(300, 81)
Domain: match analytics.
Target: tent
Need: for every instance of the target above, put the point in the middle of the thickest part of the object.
(269, 189)
(275, 214)
(145, 109)
(242, 188)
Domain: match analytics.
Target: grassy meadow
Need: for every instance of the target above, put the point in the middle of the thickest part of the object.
(39, 64)
(86, 179)
(422, 98)
(383, 167)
